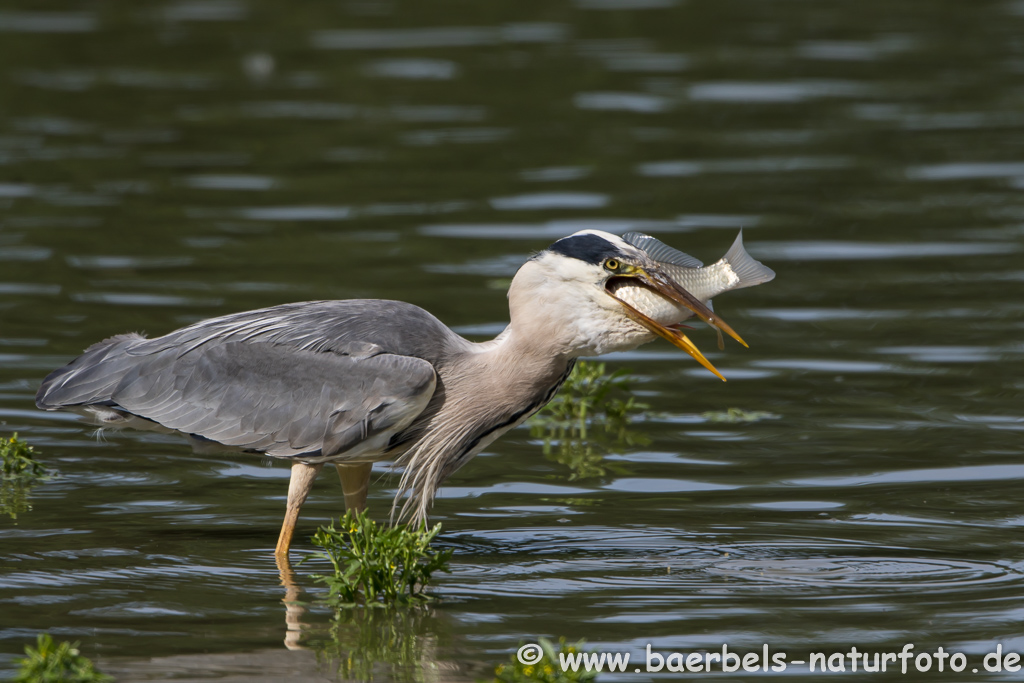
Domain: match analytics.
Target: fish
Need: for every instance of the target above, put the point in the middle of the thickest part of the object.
(736, 270)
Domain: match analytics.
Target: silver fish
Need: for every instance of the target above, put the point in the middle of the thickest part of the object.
(735, 270)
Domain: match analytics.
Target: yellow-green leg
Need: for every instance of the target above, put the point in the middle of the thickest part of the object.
(355, 484)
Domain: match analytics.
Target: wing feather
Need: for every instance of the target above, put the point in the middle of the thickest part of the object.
(320, 403)
(320, 379)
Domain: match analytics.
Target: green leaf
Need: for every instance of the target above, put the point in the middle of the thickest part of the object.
(51, 662)
(17, 461)
(378, 564)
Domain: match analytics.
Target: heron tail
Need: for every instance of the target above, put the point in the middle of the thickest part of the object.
(90, 378)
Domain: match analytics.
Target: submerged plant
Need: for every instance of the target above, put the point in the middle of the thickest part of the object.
(51, 662)
(378, 564)
(738, 415)
(19, 472)
(547, 668)
(590, 414)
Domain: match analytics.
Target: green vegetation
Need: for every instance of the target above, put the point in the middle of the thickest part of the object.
(378, 565)
(18, 459)
(548, 669)
(51, 662)
(591, 416)
(590, 394)
(20, 472)
(387, 643)
(588, 418)
(738, 415)
(377, 590)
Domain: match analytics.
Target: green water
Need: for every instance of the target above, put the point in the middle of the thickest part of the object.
(164, 163)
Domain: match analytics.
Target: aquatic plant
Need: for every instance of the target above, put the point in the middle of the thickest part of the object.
(19, 472)
(588, 417)
(378, 564)
(51, 662)
(18, 462)
(738, 415)
(591, 395)
(548, 668)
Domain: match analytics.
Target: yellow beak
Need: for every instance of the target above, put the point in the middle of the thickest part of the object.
(668, 288)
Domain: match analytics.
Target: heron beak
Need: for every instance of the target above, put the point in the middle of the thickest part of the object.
(667, 287)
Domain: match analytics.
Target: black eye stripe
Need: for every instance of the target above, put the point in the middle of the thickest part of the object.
(589, 248)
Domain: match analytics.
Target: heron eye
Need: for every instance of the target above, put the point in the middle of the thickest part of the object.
(611, 264)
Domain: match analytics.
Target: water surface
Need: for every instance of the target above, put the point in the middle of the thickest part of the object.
(161, 163)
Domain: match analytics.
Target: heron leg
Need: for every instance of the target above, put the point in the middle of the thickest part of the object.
(355, 484)
(298, 488)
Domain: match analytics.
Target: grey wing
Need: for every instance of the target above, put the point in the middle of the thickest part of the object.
(315, 379)
(275, 399)
(661, 252)
(345, 327)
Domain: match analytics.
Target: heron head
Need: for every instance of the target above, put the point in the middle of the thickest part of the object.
(568, 290)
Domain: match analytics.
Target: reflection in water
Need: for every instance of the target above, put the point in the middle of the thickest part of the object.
(164, 163)
(14, 498)
(20, 471)
(368, 642)
(584, 456)
(588, 419)
(385, 643)
(294, 608)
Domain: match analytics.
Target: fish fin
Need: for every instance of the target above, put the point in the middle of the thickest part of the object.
(661, 252)
(750, 271)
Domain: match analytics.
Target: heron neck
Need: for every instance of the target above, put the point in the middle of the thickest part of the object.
(516, 366)
(520, 342)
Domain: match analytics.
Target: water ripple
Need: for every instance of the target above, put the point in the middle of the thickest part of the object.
(548, 230)
(869, 572)
(1010, 472)
(540, 201)
(679, 169)
(416, 69)
(811, 250)
(296, 213)
(966, 171)
(419, 38)
(48, 22)
(622, 101)
(205, 10)
(769, 92)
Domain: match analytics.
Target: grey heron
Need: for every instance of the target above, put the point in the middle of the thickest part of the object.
(358, 381)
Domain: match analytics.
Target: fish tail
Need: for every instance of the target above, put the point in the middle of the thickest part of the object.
(749, 270)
